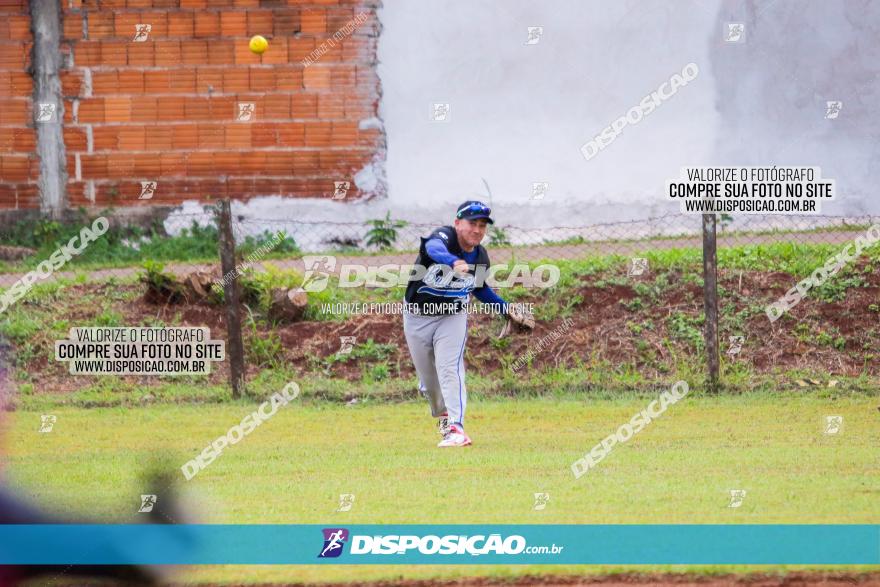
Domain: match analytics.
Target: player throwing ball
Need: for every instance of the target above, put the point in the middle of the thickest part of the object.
(435, 317)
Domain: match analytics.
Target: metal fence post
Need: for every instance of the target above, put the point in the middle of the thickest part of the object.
(234, 345)
(710, 298)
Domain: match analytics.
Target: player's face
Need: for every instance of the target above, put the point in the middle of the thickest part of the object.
(470, 232)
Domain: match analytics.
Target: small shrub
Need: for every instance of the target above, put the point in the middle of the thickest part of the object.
(498, 237)
(263, 348)
(383, 233)
(162, 287)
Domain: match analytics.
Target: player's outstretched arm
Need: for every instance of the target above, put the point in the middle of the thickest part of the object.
(487, 295)
(438, 251)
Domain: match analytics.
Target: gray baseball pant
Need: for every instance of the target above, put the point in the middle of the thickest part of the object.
(436, 345)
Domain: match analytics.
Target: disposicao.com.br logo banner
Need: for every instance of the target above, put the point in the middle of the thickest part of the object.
(429, 544)
(251, 544)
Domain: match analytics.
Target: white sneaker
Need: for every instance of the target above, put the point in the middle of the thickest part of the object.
(455, 437)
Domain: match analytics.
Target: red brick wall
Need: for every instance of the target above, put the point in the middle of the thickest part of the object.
(18, 165)
(165, 109)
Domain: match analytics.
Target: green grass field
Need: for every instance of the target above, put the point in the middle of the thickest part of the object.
(292, 469)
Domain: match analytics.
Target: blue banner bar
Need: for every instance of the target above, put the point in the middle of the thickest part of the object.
(440, 544)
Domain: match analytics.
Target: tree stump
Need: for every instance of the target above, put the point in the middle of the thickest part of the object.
(288, 305)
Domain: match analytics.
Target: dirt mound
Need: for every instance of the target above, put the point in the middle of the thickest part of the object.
(645, 325)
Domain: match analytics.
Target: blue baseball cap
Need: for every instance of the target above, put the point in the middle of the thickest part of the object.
(472, 209)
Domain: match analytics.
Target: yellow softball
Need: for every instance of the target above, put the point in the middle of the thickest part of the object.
(258, 44)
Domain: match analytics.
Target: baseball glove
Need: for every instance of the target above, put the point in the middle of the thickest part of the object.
(519, 316)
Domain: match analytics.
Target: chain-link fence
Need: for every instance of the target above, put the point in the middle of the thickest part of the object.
(188, 242)
(381, 239)
(654, 267)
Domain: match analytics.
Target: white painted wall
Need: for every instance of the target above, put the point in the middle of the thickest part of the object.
(520, 113)
(772, 91)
